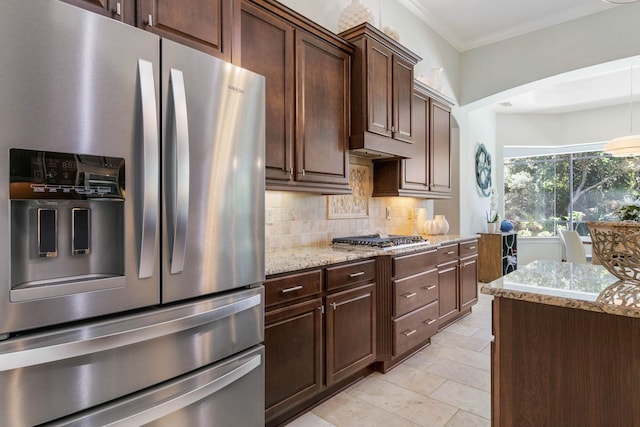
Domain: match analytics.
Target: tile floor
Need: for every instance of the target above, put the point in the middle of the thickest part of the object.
(446, 384)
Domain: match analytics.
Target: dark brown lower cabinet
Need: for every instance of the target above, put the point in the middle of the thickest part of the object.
(468, 282)
(448, 297)
(351, 339)
(293, 355)
(319, 335)
(457, 281)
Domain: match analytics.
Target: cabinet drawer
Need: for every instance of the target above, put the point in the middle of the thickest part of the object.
(447, 253)
(468, 248)
(350, 274)
(292, 287)
(414, 263)
(415, 291)
(415, 328)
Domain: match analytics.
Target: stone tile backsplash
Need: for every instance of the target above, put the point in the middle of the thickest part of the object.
(304, 219)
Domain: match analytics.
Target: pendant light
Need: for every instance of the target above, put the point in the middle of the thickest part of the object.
(626, 145)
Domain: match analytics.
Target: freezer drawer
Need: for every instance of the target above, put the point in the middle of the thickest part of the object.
(53, 374)
(230, 393)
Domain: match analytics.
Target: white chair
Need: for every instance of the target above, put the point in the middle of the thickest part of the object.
(573, 247)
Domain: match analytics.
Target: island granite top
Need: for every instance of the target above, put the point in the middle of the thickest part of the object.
(300, 258)
(580, 286)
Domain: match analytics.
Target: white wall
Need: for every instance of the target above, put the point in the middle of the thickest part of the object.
(590, 40)
(579, 127)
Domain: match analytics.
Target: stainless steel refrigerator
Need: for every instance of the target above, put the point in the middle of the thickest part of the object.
(132, 176)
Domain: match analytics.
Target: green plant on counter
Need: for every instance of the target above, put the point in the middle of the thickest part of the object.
(492, 216)
(629, 213)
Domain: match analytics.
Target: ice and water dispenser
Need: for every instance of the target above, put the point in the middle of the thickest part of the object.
(67, 223)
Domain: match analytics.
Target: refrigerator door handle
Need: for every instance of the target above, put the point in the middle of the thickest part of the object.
(179, 188)
(80, 342)
(190, 397)
(171, 405)
(150, 173)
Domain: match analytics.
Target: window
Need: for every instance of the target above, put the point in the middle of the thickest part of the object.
(544, 193)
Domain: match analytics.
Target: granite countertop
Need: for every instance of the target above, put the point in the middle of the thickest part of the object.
(315, 256)
(580, 286)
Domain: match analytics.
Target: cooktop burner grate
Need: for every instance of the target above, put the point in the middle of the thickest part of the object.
(376, 241)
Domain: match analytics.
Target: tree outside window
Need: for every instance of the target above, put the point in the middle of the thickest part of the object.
(544, 193)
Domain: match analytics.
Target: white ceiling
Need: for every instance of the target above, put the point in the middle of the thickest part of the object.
(468, 24)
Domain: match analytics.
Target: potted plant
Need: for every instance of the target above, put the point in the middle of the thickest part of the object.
(492, 221)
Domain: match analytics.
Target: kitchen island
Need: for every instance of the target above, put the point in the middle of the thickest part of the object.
(566, 348)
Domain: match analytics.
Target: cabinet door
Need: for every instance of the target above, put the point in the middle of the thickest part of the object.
(379, 89)
(205, 25)
(293, 355)
(416, 168)
(440, 148)
(322, 115)
(121, 10)
(402, 99)
(468, 282)
(448, 301)
(267, 49)
(350, 334)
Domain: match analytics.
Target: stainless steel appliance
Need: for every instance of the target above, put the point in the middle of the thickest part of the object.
(379, 241)
(132, 170)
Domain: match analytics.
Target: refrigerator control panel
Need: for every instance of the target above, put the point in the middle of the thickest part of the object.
(52, 175)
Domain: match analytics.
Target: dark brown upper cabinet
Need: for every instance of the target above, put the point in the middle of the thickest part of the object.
(206, 25)
(121, 10)
(427, 171)
(440, 148)
(382, 92)
(307, 71)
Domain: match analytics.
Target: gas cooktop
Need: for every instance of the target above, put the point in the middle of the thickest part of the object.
(377, 241)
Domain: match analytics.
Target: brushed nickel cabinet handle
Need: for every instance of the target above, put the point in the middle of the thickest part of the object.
(451, 252)
(409, 333)
(429, 321)
(471, 248)
(359, 273)
(292, 289)
(429, 287)
(118, 10)
(410, 295)
(336, 305)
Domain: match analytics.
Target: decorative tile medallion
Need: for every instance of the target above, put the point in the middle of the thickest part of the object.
(355, 205)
